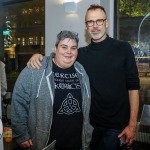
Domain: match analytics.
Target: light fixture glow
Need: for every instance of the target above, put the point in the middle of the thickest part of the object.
(67, 1)
(70, 6)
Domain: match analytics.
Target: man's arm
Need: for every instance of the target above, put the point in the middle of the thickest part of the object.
(130, 130)
(35, 61)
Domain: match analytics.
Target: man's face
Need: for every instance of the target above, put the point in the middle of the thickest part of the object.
(97, 32)
(66, 53)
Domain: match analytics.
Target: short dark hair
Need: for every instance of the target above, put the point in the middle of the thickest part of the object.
(96, 6)
(66, 34)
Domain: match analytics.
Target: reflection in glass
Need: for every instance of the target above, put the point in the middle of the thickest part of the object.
(23, 28)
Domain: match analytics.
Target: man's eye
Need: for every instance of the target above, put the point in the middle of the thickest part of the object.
(90, 21)
(99, 21)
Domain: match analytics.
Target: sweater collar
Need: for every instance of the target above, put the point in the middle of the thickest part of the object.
(96, 46)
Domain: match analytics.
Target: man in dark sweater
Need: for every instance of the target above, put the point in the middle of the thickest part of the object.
(114, 81)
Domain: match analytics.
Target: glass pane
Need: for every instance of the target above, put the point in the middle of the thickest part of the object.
(134, 27)
(23, 33)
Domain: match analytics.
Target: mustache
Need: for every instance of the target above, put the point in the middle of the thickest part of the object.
(97, 30)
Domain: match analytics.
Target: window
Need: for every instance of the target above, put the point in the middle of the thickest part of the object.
(23, 34)
(134, 27)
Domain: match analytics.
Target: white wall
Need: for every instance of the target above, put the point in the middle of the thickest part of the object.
(109, 7)
(56, 20)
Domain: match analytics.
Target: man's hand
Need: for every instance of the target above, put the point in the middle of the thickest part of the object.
(129, 133)
(35, 61)
(26, 144)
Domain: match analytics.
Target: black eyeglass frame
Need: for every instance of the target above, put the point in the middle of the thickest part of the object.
(93, 22)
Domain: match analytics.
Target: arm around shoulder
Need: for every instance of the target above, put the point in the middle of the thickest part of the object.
(35, 61)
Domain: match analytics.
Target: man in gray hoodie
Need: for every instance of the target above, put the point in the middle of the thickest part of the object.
(50, 106)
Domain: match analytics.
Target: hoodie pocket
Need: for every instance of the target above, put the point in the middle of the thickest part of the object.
(40, 140)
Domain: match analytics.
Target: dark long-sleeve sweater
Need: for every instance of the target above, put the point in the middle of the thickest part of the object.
(112, 70)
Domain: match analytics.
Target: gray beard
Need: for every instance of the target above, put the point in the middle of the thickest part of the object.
(99, 36)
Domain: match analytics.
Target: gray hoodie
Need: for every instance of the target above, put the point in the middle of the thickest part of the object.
(3, 81)
(32, 105)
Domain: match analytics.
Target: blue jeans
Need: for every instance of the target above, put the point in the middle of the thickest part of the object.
(105, 139)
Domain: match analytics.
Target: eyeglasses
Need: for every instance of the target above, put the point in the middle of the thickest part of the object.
(99, 22)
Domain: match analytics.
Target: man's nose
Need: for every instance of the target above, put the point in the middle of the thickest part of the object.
(95, 24)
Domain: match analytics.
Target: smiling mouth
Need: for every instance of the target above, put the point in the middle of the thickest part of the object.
(68, 57)
(95, 32)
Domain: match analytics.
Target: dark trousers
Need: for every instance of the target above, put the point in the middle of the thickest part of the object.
(105, 139)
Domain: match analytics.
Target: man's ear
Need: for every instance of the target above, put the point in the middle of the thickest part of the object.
(55, 49)
(107, 24)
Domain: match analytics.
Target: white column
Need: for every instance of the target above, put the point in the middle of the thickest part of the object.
(73, 22)
(109, 7)
(65, 21)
